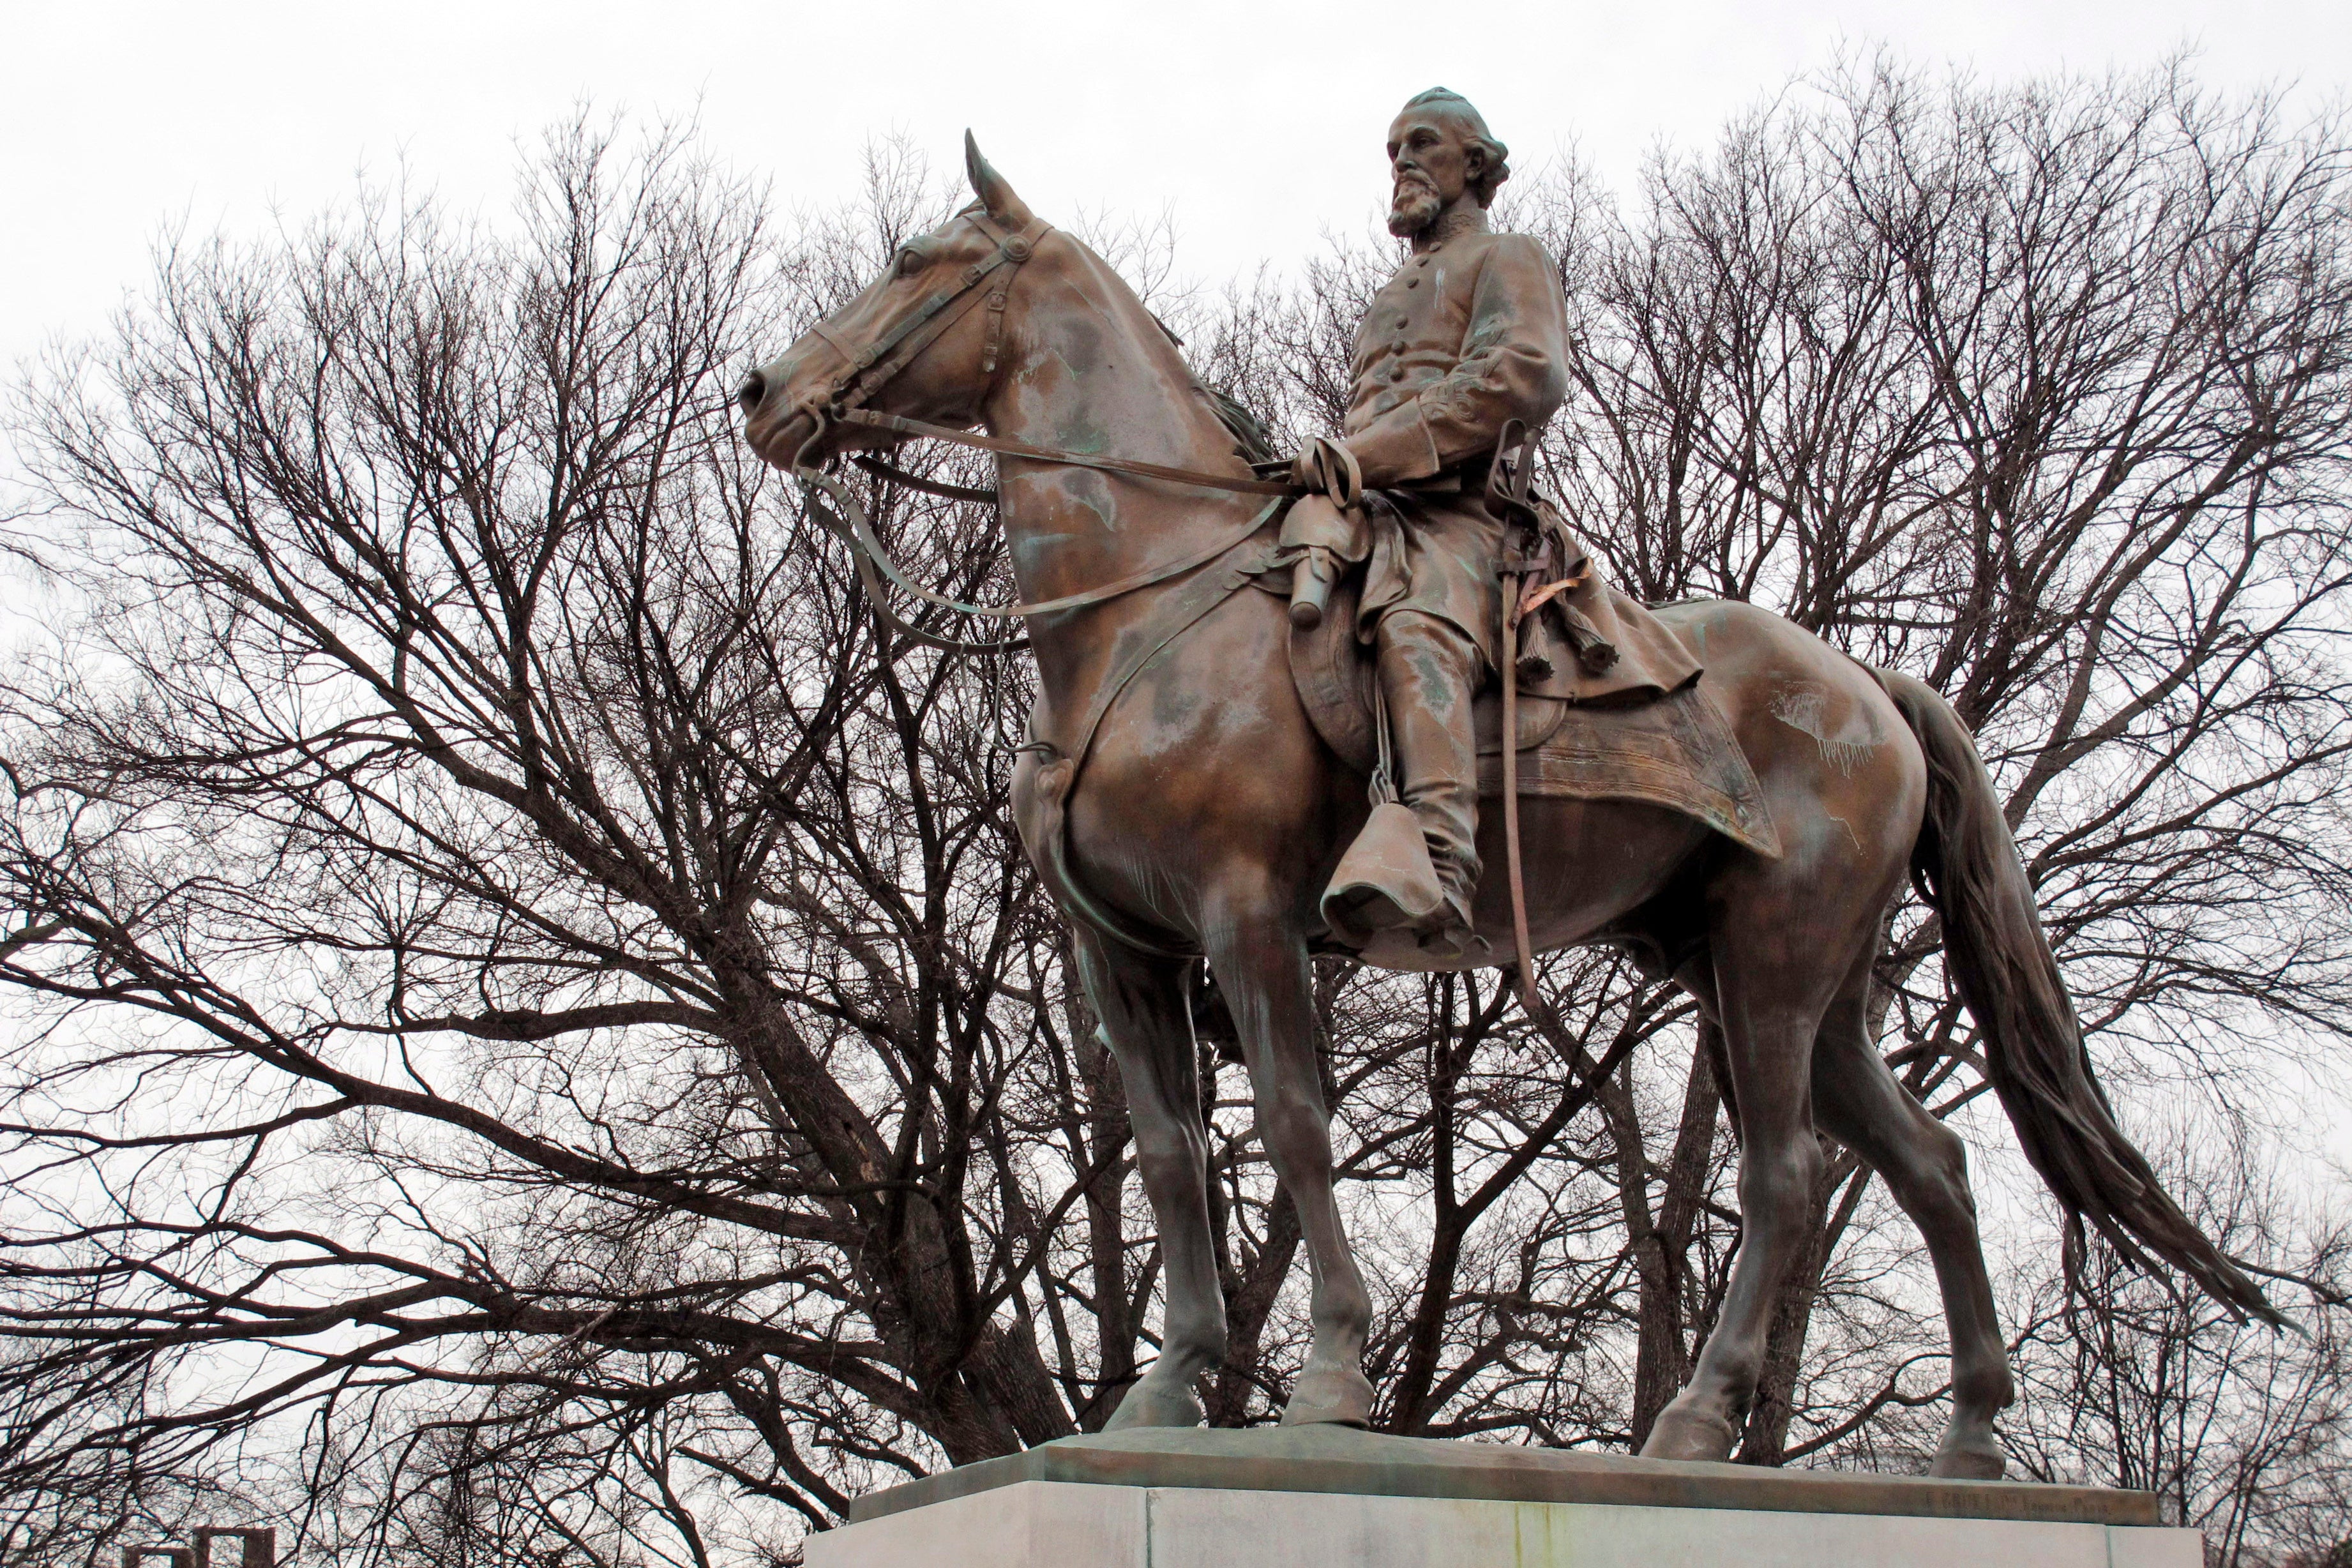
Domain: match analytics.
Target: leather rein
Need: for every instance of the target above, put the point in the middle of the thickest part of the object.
(873, 366)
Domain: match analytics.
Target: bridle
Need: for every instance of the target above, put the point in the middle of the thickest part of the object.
(869, 369)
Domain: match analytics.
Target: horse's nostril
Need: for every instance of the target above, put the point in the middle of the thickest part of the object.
(751, 394)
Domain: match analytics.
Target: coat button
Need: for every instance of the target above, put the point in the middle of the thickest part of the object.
(1396, 373)
(1412, 282)
(1397, 347)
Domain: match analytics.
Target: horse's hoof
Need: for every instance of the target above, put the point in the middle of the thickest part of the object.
(1969, 1462)
(1683, 1434)
(1335, 1395)
(1157, 1404)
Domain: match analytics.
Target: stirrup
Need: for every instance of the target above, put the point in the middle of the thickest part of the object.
(1453, 939)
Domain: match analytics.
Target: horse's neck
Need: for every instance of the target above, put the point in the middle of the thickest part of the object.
(1099, 376)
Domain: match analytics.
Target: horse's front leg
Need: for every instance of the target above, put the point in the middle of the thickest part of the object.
(1258, 953)
(1145, 1008)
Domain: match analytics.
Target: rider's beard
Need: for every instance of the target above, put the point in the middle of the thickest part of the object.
(1414, 206)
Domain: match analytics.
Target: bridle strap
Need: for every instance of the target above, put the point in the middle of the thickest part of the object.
(898, 476)
(873, 366)
(840, 344)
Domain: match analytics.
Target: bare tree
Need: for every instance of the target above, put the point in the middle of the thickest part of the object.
(522, 961)
(2241, 1433)
(2042, 393)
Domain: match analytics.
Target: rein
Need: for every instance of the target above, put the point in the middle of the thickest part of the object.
(900, 424)
(1508, 497)
(875, 366)
(847, 520)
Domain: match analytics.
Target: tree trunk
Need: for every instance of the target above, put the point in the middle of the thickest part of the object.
(1249, 1303)
(1409, 1407)
(1766, 1439)
(1106, 1131)
(1661, 1250)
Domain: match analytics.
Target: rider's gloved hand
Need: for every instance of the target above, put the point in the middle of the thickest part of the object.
(1326, 468)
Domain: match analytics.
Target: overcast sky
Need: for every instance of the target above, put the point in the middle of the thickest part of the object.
(1257, 126)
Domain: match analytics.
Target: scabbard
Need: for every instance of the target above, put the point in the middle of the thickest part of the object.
(1311, 580)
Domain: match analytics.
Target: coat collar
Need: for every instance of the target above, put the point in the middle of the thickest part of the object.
(1453, 226)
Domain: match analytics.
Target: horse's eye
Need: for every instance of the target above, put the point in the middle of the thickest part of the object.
(912, 262)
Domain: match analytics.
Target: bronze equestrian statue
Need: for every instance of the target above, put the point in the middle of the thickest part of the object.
(1202, 751)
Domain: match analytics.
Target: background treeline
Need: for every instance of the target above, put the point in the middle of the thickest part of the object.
(531, 1038)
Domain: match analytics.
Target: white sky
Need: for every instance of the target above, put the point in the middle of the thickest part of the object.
(1258, 127)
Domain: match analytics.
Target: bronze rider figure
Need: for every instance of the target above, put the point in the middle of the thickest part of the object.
(1468, 336)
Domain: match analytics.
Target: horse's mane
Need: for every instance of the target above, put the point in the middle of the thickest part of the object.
(1253, 440)
(1251, 437)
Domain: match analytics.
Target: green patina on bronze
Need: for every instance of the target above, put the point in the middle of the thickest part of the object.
(1339, 1460)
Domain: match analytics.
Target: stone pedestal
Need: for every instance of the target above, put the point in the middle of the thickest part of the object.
(1325, 1497)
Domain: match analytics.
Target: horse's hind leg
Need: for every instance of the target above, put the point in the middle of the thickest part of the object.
(1259, 957)
(1863, 1106)
(1770, 989)
(1144, 1005)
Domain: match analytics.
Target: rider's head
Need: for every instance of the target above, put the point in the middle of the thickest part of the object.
(1439, 151)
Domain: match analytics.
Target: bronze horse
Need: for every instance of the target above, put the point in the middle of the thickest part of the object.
(1206, 807)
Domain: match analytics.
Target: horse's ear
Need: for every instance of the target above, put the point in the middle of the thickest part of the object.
(1003, 204)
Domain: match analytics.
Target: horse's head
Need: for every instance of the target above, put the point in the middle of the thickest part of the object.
(926, 339)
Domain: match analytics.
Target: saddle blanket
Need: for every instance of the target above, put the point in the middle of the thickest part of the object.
(1676, 750)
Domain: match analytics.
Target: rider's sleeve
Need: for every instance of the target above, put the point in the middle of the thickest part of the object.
(1514, 365)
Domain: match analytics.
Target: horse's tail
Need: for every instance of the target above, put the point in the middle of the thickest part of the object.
(1966, 866)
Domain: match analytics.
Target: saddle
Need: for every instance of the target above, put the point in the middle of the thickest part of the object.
(1647, 727)
(1385, 895)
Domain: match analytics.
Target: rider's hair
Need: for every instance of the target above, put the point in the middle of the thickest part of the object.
(1499, 168)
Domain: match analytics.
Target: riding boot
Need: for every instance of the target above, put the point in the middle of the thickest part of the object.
(1428, 672)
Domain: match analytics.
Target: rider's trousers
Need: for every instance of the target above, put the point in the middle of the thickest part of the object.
(1428, 670)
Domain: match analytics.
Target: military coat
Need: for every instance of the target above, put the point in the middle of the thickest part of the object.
(1471, 333)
